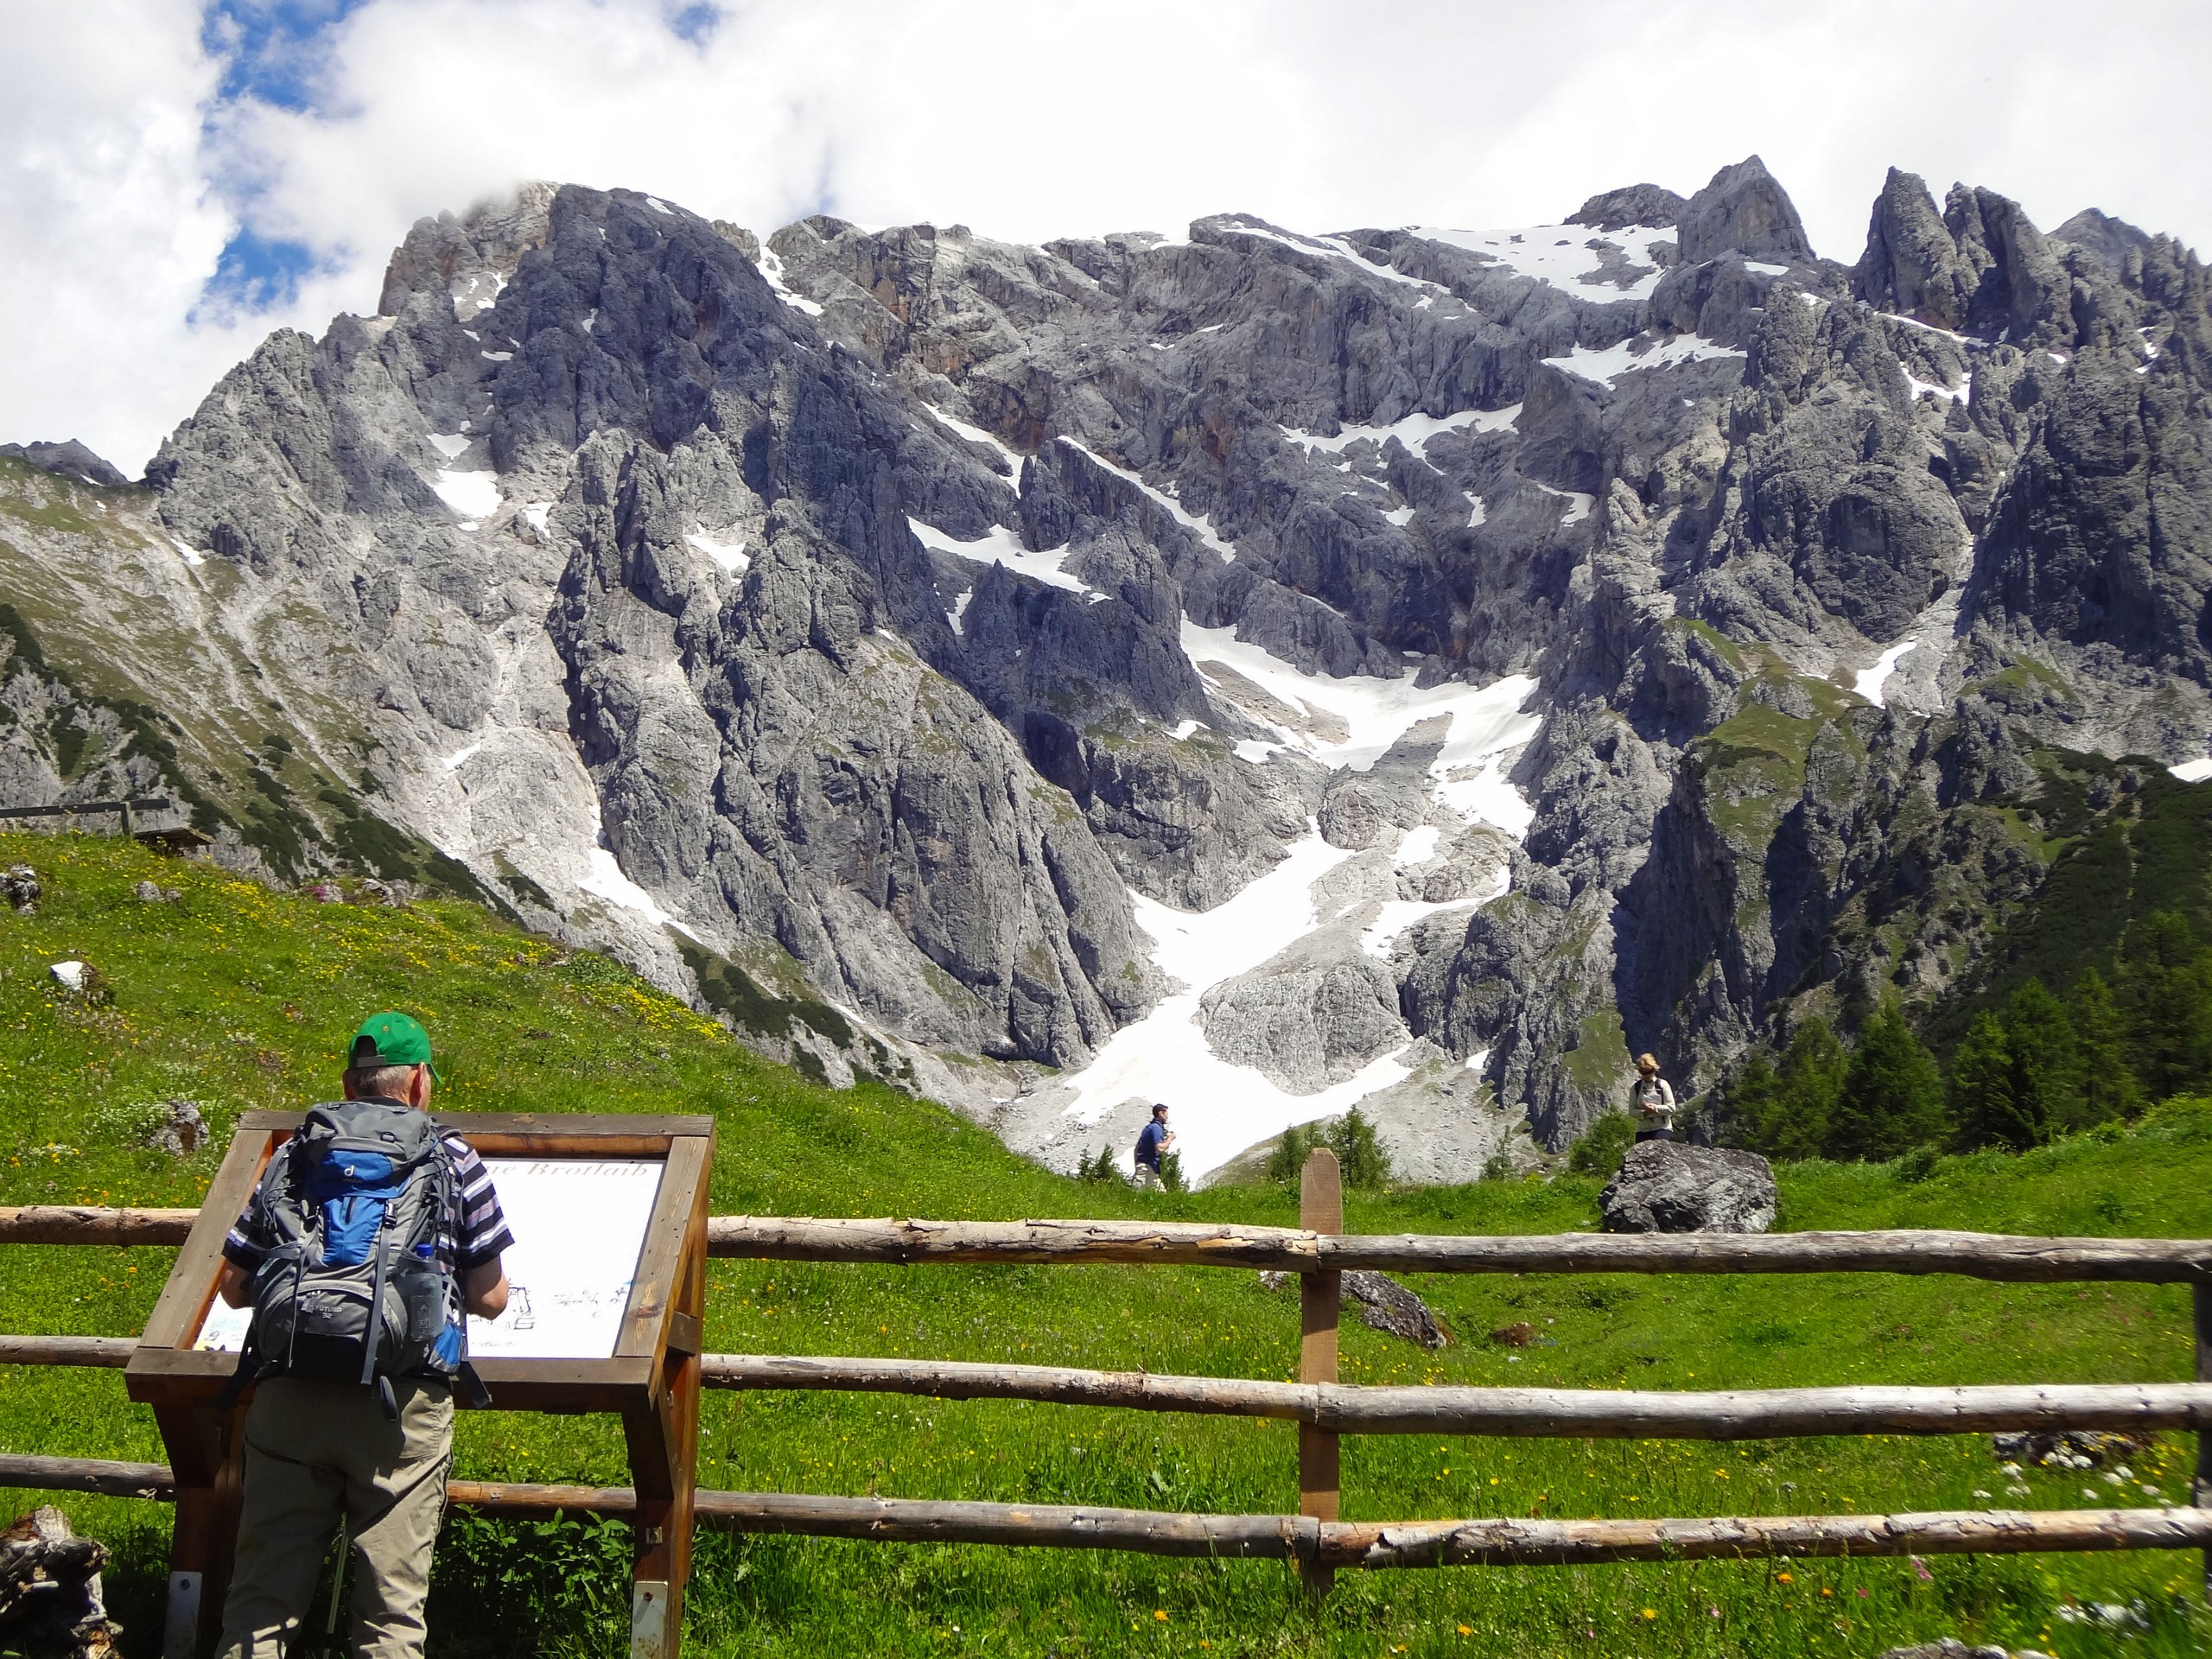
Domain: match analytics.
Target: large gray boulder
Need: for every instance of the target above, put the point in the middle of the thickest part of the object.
(1669, 1186)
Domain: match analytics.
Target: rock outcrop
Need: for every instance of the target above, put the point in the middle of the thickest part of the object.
(1670, 1186)
(1384, 1304)
(1635, 204)
(1387, 1306)
(69, 459)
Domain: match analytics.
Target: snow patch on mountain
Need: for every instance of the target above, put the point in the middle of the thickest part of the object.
(1414, 431)
(1487, 724)
(999, 545)
(1564, 256)
(730, 556)
(473, 495)
(1164, 1056)
(1869, 680)
(1640, 352)
(771, 266)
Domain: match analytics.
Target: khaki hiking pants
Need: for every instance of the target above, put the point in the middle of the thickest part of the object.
(314, 1451)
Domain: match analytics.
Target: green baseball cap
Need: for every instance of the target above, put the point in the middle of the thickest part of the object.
(390, 1038)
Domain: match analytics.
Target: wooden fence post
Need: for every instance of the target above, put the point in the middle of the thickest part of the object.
(1320, 1209)
(2202, 1295)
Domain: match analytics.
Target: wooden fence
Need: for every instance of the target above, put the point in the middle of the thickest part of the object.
(1316, 1540)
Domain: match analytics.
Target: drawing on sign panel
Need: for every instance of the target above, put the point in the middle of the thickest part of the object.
(579, 1224)
(224, 1329)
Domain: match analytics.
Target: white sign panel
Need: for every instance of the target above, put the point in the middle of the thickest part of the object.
(579, 1225)
(223, 1331)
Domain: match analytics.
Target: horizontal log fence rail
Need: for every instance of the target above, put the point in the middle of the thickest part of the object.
(907, 1242)
(1361, 1408)
(1316, 1540)
(1502, 1542)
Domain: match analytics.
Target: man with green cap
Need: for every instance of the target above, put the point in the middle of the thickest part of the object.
(318, 1451)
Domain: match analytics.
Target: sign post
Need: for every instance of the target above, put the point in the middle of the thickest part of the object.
(608, 1291)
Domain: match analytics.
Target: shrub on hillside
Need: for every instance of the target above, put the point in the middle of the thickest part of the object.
(1099, 1166)
(1359, 1153)
(1603, 1145)
(1360, 1161)
(1287, 1160)
(2183, 1120)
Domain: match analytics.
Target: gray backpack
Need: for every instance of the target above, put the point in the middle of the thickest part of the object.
(351, 1288)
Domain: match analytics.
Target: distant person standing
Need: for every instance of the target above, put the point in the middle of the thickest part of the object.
(1155, 1139)
(1651, 1102)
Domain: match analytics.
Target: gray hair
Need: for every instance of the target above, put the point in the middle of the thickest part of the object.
(390, 1082)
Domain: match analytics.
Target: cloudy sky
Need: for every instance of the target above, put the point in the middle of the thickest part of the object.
(177, 180)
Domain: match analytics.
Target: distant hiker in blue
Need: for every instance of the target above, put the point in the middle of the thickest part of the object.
(1152, 1140)
(369, 1205)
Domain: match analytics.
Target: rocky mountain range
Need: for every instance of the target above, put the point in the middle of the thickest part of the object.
(1262, 671)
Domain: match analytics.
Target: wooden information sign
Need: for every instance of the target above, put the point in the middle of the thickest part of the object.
(608, 1288)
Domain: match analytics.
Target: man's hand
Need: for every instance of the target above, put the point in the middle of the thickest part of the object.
(483, 1289)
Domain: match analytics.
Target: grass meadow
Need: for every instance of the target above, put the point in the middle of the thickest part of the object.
(240, 998)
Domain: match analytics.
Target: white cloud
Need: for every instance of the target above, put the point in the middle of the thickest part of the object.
(1021, 120)
(108, 238)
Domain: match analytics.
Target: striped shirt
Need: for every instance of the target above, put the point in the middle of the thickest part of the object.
(472, 1231)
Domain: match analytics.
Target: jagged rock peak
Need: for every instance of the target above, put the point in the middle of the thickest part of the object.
(470, 258)
(68, 459)
(1648, 205)
(2109, 240)
(1911, 263)
(1743, 210)
(1979, 268)
(2021, 291)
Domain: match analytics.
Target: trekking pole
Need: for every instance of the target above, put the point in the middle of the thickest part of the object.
(337, 1584)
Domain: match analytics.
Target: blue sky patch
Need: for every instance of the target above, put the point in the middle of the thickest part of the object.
(255, 272)
(696, 23)
(271, 50)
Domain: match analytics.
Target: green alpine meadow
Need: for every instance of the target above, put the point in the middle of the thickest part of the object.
(237, 996)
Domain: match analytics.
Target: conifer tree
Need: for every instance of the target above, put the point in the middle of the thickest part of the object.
(1360, 1158)
(2046, 1061)
(1806, 1087)
(1984, 1112)
(2109, 1086)
(1744, 1105)
(1892, 1097)
(2173, 1027)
